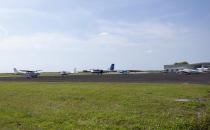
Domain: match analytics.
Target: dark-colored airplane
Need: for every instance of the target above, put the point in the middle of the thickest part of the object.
(63, 73)
(100, 71)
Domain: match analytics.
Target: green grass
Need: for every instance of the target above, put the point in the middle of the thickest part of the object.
(50, 74)
(7, 75)
(35, 105)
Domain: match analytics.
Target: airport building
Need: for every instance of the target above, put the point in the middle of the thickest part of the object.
(175, 68)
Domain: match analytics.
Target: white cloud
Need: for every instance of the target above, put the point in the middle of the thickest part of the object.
(60, 42)
(46, 41)
(149, 51)
(146, 30)
(103, 34)
(111, 36)
(3, 32)
(22, 11)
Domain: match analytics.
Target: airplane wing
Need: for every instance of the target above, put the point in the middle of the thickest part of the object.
(30, 70)
(27, 70)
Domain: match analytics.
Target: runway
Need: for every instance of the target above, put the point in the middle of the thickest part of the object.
(132, 78)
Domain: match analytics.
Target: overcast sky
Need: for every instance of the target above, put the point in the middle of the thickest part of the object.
(55, 35)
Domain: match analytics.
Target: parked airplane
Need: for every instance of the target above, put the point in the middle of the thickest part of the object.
(27, 73)
(124, 71)
(193, 71)
(128, 71)
(63, 73)
(100, 71)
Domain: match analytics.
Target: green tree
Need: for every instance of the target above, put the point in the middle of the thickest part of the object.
(181, 63)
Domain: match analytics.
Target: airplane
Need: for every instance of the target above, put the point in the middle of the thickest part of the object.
(202, 69)
(63, 73)
(123, 71)
(27, 73)
(193, 71)
(100, 71)
(129, 71)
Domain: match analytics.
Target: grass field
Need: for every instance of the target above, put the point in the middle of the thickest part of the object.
(7, 75)
(34, 105)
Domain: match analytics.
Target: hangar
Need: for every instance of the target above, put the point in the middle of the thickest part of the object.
(175, 68)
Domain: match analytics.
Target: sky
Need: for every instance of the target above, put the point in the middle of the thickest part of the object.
(56, 35)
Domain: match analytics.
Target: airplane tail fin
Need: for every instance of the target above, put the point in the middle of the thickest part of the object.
(16, 71)
(112, 67)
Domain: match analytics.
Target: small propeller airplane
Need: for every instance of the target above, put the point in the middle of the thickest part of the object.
(63, 73)
(194, 71)
(124, 71)
(27, 73)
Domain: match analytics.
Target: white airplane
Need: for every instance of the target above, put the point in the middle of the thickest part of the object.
(27, 73)
(193, 71)
(202, 69)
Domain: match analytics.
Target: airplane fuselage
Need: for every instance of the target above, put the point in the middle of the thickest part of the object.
(28, 74)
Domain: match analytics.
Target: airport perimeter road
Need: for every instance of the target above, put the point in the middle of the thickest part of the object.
(136, 78)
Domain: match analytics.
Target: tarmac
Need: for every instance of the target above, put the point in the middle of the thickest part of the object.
(131, 78)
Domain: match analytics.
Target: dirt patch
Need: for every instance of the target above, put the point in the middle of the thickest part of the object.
(182, 100)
